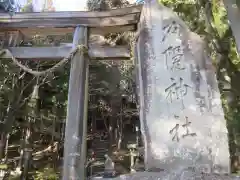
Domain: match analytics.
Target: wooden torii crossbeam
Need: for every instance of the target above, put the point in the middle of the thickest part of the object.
(84, 23)
(58, 53)
(117, 20)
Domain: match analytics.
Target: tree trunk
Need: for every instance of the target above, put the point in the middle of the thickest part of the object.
(6, 127)
(6, 148)
(55, 148)
(2, 145)
(20, 163)
(27, 154)
(33, 110)
(111, 133)
(120, 129)
(113, 122)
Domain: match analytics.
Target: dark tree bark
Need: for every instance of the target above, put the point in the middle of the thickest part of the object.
(33, 114)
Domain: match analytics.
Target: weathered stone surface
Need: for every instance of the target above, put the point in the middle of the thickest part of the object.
(181, 115)
(184, 175)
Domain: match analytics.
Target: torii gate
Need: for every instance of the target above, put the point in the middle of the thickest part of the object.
(84, 23)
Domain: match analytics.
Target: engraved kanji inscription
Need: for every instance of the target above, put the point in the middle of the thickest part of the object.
(186, 127)
(176, 129)
(173, 58)
(171, 28)
(174, 132)
(178, 89)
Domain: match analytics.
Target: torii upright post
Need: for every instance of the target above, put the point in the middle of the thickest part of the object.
(76, 122)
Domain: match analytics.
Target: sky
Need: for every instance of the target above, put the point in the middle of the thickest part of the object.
(60, 5)
(71, 5)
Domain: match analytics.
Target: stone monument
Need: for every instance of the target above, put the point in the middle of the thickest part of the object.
(181, 114)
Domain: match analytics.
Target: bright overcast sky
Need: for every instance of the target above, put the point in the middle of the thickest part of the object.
(70, 5)
(60, 5)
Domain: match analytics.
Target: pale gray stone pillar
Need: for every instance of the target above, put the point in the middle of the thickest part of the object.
(181, 114)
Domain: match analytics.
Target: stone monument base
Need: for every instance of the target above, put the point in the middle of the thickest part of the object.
(189, 174)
